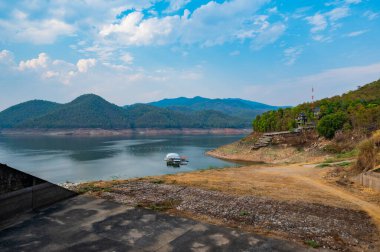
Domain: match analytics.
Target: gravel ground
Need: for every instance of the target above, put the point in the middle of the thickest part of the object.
(329, 227)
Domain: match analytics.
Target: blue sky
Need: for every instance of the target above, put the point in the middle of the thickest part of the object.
(139, 51)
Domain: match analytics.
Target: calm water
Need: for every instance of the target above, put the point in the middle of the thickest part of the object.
(75, 159)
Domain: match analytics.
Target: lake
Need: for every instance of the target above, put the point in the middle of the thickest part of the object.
(78, 159)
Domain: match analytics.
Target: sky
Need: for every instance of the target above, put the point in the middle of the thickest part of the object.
(270, 51)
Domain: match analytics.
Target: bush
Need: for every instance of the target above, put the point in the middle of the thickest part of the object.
(368, 152)
(329, 124)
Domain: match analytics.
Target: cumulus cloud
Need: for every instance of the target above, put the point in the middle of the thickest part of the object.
(175, 5)
(133, 30)
(84, 64)
(39, 62)
(211, 24)
(21, 28)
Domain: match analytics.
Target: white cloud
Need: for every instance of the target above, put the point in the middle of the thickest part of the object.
(321, 21)
(353, 1)
(133, 30)
(371, 15)
(84, 64)
(291, 54)
(338, 13)
(39, 62)
(6, 56)
(49, 74)
(356, 33)
(22, 29)
(268, 36)
(318, 21)
(210, 24)
(127, 58)
(177, 4)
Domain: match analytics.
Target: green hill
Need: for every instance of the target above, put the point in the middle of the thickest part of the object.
(230, 106)
(86, 111)
(22, 112)
(355, 110)
(92, 111)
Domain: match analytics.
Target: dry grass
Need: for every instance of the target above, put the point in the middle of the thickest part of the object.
(279, 183)
(368, 156)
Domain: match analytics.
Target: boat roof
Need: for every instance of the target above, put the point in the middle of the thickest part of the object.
(172, 155)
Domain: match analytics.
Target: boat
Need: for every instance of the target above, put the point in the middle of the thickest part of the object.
(174, 159)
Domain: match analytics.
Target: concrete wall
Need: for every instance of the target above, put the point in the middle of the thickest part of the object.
(12, 179)
(35, 193)
(370, 179)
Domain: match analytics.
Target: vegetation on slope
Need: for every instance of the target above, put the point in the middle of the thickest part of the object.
(355, 110)
(25, 111)
(86, 111)
(91, 111)
(231, 106)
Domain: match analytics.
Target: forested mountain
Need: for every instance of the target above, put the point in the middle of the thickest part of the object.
(25, 111)
(86, 111)
(355, 110)
(230, 106)
(92, 111)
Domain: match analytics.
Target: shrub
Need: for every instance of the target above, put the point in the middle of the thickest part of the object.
(368, 150)
(329, 124)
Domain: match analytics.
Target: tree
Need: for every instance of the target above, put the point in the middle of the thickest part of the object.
(329, 124)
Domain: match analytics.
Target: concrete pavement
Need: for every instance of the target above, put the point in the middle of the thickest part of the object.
(84, 223)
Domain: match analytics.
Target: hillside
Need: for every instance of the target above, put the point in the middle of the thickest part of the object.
(22, 112)
(356, 110)
(92, 111)
(86, 111)
(230, 106)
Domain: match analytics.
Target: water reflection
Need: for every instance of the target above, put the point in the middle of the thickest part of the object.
(60, 159)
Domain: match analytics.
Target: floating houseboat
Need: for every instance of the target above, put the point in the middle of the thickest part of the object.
(174, 159)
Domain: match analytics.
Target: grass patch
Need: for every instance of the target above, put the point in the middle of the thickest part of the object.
(158, 181)
(344, 164)
(243, 213)
(93, 188)
(348, 154)
(329, 160)
(323, 165)
(312, 243)
(164, 205)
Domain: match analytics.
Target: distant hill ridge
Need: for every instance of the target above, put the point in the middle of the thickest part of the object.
(92, 111)
(231, 106)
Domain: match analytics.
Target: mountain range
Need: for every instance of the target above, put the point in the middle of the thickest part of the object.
(92, 111)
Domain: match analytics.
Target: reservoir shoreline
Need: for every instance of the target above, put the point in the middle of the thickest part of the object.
(124, 132)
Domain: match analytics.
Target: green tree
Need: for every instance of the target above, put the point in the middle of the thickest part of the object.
(329, 124)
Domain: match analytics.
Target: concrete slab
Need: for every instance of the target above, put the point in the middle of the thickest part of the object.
(89, 224)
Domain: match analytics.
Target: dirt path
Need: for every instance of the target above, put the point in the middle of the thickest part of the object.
(372, 209)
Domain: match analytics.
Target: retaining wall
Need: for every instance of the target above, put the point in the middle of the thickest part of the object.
(370, 179)
(21, 192)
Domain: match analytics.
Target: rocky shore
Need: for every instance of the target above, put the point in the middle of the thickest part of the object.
(307, 223)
